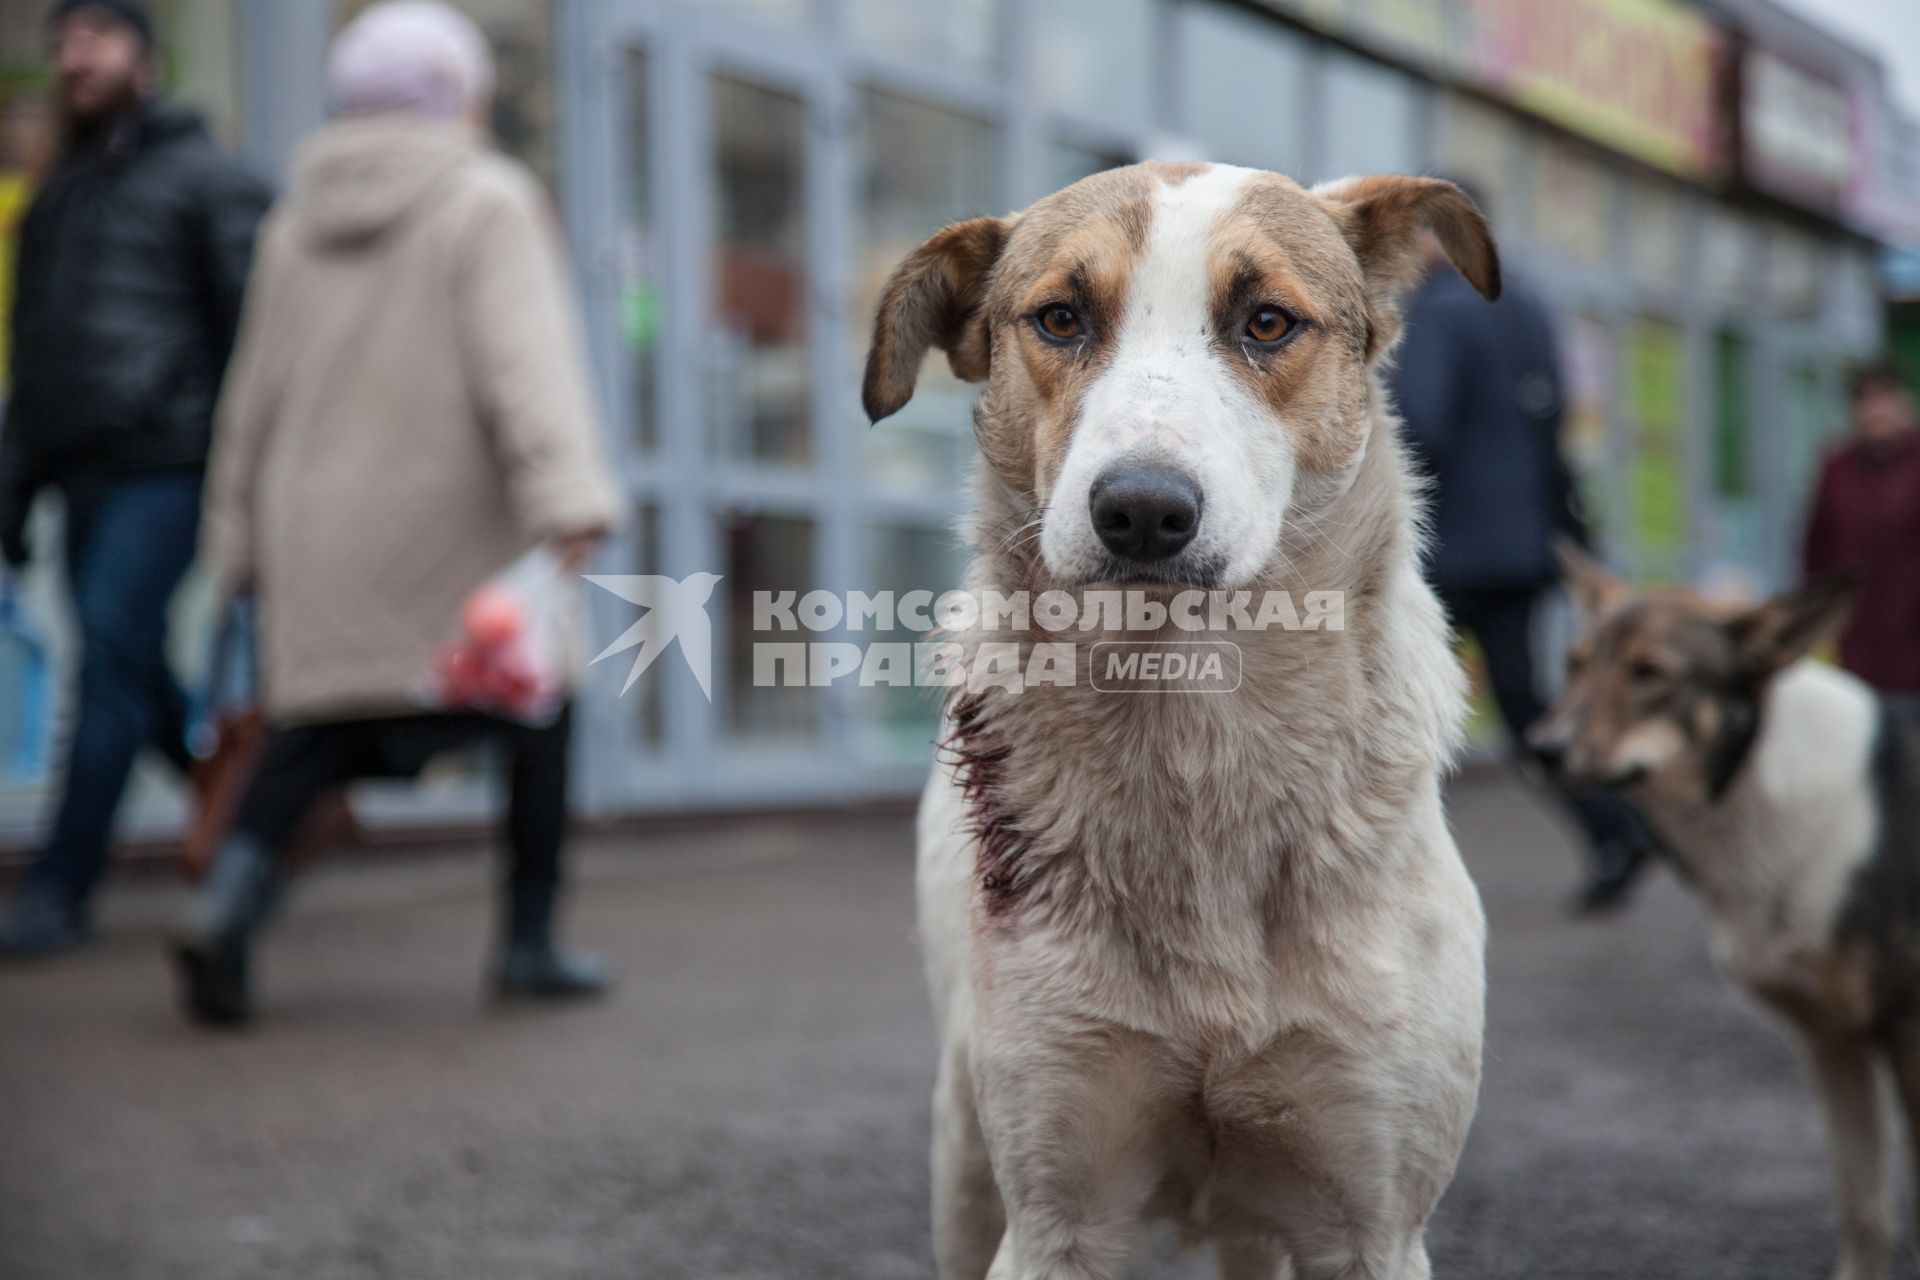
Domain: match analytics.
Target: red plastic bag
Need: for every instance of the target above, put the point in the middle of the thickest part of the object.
(512, 655)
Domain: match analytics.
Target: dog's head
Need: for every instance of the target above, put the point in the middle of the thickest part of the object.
(1177, 356)
(1667, 689)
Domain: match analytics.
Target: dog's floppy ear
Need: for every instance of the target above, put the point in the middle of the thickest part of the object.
(1383, 217)
(1786, 628)
(1595, 588)
(933, 300)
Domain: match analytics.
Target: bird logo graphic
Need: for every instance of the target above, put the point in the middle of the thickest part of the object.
(675, 609)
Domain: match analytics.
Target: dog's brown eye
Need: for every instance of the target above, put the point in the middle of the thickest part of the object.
(1059, 322)
(1269, 324)
(1643, 672)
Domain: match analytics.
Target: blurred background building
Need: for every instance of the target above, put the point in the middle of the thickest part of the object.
(1721, 202)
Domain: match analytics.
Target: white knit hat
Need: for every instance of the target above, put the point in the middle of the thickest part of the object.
(418, 56)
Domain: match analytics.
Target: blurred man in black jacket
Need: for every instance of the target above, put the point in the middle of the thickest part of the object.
(1480, 391)
(133, 258)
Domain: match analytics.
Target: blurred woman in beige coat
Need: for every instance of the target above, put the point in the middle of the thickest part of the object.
(406, 413)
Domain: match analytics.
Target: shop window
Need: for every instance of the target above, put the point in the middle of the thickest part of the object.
(921, 167)
(897, 724)
(773, 554)
(1732, 416)
(1480, 145)
(1790, 273)
(958, 33)
(23, 38)
(1098, 58)
(1815, 418)
(1592, 372)
(1372, 119)
(1851, 308)
(199, 61)
(757, 378)
(1731, 537)
(1656, 390)
(1573, 204)
(1240, 78)
(1727, 263)
(1657, 236)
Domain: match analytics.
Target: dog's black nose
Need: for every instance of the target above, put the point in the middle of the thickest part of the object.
(1145, 512)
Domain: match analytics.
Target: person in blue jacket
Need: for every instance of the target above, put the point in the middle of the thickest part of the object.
(1479, 388)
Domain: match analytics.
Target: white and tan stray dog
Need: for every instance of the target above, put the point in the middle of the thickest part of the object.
(1788, 795)
(1214, 956)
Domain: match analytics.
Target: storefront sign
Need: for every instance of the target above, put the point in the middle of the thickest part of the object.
(1640, 76)
(1796, 136)
(1884, 196)
(1637, 75)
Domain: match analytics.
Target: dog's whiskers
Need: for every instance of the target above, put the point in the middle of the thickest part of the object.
(1025, 533)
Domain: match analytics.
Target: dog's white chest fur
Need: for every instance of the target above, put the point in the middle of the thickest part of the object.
(1774, 860)
(1242, 937)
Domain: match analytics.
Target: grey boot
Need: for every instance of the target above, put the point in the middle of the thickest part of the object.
(211, 953)
(37, 924)
(542, 971)
(530, 966)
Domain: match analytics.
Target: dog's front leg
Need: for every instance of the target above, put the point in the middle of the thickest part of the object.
(1843, 1075)
(1903, 1053)
(968, 1222)
(1068, 1114)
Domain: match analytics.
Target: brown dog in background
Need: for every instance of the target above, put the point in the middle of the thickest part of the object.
(1788, 793)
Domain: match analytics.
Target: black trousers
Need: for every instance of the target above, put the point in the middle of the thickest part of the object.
(1500, 619)
(300, 763)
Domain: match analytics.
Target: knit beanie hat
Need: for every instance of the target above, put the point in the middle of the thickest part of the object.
(130, 12)
(416, 56)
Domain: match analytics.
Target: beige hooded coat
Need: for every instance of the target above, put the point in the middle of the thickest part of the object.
(406, 412)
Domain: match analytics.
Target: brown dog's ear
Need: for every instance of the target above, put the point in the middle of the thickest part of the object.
(933, 299)
(1786, 628)
(1383, 218)
(1595, 588)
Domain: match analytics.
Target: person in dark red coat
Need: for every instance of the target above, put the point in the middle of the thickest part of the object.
(1866, 521)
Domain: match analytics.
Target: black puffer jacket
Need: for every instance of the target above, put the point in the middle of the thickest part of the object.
(133, 259)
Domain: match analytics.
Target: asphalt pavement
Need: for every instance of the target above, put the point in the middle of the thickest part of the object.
(752, 1102)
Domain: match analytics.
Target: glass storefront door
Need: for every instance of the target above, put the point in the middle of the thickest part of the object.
(764, 192)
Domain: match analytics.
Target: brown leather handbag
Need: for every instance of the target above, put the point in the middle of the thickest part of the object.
(226, 733)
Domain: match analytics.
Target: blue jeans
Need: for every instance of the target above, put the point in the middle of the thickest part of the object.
(129, 542)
